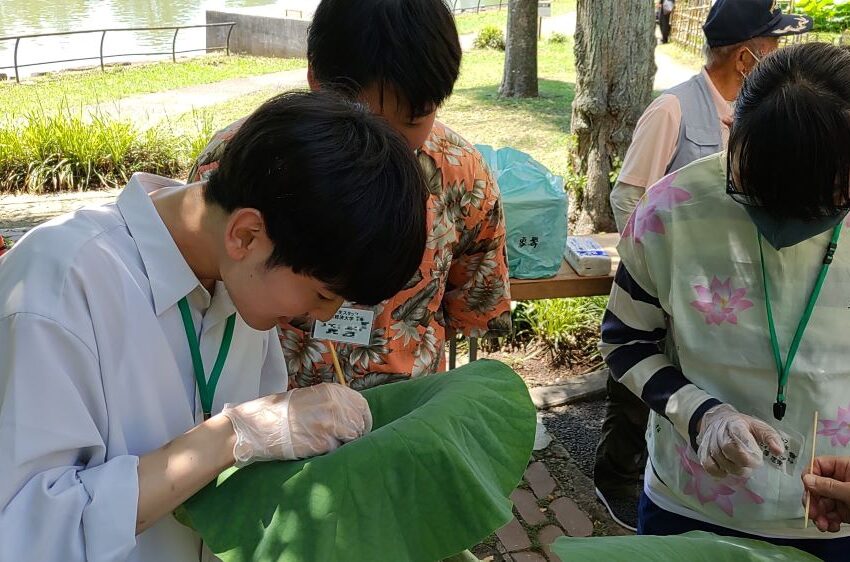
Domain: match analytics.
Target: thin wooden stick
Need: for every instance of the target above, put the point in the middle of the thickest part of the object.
(811, 470)
(340, 378)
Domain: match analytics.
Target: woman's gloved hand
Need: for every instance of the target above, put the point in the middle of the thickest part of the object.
(298, 424)
(731, 442)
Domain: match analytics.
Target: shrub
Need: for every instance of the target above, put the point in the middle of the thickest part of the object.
(558, 38)
(569, 328)
(828, 15)
(45, 152)
(490, 37)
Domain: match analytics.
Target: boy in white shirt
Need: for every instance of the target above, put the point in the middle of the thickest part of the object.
(136, 338)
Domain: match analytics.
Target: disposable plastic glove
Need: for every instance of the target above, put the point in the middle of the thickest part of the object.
(298, 424)
(730, 442)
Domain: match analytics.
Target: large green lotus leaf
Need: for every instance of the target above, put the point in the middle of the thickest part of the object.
(695, 546)
(432, 478)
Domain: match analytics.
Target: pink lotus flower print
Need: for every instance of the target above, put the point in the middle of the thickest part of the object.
(724, 493)
(838, 430)
(719, 302)
(660, 197)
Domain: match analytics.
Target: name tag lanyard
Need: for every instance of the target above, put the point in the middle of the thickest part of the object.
(206, 390)
(784, 370)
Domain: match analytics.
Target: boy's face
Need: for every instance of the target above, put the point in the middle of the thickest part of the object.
(263, 296)
(397, 113)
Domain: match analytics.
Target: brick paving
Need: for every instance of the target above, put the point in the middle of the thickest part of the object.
(542, 514)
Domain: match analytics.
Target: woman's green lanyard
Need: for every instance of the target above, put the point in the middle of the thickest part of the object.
(206, 389)
(783, 371)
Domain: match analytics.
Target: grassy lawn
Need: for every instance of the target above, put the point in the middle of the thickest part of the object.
(56, 150)
(538, 126)
(472, 23)
(93, 86)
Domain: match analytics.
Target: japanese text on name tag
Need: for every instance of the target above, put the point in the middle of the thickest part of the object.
(349, 325)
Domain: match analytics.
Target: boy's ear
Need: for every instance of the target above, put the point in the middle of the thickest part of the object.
(311, 79)
(245, 231)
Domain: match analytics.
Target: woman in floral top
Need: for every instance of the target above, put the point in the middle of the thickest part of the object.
(723, 258)
(402, 59)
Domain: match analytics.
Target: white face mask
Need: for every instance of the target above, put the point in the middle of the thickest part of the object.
(755, 57)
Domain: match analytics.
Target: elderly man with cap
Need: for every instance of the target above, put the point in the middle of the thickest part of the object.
(686, 123)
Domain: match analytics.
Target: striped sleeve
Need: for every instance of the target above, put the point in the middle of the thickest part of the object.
(632, 330)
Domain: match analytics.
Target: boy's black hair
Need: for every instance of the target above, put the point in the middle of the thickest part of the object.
(790, 141)
(411, 46)
(341, 193)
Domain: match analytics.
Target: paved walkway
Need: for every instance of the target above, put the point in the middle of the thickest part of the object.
(147, 110)
(20, 213)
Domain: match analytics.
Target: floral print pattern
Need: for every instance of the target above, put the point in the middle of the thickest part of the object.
(723, 493)
(660, 197)
(461, 286)
(719, 302)
(838, 430)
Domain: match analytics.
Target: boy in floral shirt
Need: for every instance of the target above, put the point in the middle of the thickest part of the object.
(402, 59)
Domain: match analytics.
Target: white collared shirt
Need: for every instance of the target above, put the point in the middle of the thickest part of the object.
(95, 370)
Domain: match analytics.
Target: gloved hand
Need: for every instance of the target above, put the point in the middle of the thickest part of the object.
(730, 442)
(301, 423)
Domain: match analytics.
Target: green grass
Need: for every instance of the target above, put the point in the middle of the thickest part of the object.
(76, 89)
(50, 150)
(62, 151)
(539, 126)
(472, 23)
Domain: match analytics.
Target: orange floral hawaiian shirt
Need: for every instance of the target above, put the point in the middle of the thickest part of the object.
(461, 286)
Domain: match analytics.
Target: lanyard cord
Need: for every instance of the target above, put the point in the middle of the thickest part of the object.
(784, 371)
(206, 389)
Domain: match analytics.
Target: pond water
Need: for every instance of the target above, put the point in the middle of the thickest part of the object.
(20, 17)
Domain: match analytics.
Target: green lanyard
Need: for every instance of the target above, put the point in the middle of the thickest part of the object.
(206, 389)
(783, 371)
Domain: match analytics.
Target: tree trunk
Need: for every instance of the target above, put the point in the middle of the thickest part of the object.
(615, 67)
(520, 78)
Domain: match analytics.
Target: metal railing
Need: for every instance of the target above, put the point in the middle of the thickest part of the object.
(476, 6)
(101, 57)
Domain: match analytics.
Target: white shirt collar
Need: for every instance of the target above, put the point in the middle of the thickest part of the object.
(170, 276)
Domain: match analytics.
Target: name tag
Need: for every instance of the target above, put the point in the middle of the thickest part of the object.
(349, 325)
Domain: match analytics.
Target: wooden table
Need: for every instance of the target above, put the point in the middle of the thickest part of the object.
(565, 284)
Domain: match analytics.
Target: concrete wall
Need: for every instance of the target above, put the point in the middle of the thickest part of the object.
(264, 31)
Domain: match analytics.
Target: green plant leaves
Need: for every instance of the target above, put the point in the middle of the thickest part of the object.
(696, 546)
(432, 479)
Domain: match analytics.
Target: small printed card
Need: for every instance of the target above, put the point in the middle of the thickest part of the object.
(787, 460)
(349, 325)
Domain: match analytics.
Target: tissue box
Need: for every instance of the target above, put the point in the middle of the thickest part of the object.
(587, 257)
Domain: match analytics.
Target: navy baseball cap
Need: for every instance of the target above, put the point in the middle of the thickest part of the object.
(735, 21)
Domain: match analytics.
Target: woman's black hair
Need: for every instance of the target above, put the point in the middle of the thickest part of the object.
(790, 142)
(341, 193)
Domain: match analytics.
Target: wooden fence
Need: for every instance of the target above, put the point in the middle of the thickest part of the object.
(690, 15)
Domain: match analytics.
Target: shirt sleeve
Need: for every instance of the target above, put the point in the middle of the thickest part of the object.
(208, 159)
(624, 199)
(654, 143)
(477, 301)
(60, 498)
(633, 329)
